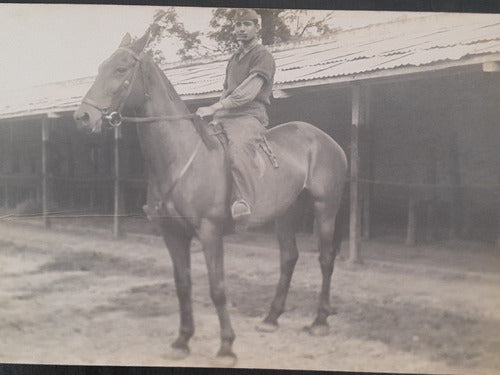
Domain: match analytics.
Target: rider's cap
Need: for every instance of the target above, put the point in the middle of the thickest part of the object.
(246, 15)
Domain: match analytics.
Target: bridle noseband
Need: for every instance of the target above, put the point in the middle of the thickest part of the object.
(115, 118)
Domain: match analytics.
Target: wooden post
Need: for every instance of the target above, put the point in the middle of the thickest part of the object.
(10, 166)
(116, 216)
(354, 224)
(411, 234)
(92, 196)
(368, 165)
(6, 192)
(456, 200)
(45, 192)
(466, 231)
(431, 179)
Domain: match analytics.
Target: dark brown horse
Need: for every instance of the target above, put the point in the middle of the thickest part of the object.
(188, 184)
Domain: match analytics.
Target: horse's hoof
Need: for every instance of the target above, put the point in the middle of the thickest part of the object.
(177, 354)
(225, 360)
(318, 330)
(266, 327)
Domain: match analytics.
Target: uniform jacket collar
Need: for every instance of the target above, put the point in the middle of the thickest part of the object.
(243, 51)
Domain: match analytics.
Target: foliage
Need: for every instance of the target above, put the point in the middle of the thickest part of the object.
(170, 26)
(278, 26)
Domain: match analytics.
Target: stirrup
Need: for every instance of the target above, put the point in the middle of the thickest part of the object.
(240, 210)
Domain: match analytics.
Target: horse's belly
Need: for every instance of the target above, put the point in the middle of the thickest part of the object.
(277, 188)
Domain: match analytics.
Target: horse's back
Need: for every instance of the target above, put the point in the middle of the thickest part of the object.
(302, 140)
(307, 158)
(298, 133)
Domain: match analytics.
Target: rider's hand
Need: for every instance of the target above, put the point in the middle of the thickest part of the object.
(208, 111)
(205, 112)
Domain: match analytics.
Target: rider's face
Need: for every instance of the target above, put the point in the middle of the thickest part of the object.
(246, 31)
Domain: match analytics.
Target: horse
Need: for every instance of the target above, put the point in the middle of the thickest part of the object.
(187, 170)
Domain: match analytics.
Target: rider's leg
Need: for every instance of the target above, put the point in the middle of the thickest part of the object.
(243, 135)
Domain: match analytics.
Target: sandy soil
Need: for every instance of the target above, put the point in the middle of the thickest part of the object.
(81, 298)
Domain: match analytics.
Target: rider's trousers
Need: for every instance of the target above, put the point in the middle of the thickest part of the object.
(243, 135)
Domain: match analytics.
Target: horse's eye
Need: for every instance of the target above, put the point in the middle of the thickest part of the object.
(121, 70)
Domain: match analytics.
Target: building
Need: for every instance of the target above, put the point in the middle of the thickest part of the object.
(414, 103)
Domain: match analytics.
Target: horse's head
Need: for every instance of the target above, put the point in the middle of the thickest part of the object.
(119, 84)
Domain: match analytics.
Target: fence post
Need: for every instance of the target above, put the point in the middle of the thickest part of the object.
(116, 215)
(45, 191)
(411, 232)
(366, 161)
(355, 222)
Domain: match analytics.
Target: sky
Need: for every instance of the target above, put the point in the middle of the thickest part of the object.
(42, 43)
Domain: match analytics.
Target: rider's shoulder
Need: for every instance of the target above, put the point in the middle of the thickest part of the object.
(260, 48)
(262, 52)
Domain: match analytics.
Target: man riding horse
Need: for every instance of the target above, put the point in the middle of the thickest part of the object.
(241, 110)
(188, 184)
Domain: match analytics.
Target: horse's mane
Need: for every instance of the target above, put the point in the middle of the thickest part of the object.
(201, 125)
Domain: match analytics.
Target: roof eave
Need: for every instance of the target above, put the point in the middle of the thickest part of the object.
(440, 68)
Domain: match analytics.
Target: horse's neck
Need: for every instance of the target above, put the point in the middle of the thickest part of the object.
(167, 145)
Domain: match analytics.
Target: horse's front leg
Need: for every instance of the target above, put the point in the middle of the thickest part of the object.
(178, 243)
(210, 235)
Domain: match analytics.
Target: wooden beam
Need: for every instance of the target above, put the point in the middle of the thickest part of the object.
(116, 215)
(368, 164)
(411, 231)
(354, 225)
(443, 68)
(491, 66)
(431, 179)
(45, 190)
(455, 179)
(9, 168)
(6, 195)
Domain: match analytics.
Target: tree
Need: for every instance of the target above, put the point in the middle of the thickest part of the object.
(168, 26)
(278, 26)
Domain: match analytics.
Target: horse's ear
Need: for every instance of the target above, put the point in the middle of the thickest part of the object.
(140, 43)
(127, 39)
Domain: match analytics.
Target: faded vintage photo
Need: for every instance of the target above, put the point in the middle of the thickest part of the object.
(254, 188)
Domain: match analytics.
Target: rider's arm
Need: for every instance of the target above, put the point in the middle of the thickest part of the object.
(244, 93)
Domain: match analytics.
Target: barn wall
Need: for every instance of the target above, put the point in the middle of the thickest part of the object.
(20, 161)
(83, 168)
(329, 110)
(426, 136)
(429, 132)
(443, 132)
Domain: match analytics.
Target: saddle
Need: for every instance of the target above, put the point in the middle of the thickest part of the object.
(263, 144)
(155, 208)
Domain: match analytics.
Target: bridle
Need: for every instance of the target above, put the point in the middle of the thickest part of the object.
(115, 118)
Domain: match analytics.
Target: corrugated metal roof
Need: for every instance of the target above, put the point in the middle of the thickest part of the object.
(418, 42)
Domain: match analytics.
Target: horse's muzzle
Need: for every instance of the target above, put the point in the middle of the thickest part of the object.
(88, 119)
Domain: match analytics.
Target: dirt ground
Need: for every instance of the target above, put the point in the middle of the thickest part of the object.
(84, 298)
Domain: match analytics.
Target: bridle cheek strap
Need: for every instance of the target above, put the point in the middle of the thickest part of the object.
(115, 118)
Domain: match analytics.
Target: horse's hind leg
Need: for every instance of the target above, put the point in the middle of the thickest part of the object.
(286, 227)
(178, 244)
(325, 213)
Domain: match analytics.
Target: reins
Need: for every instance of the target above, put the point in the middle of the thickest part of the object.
(115, 119)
